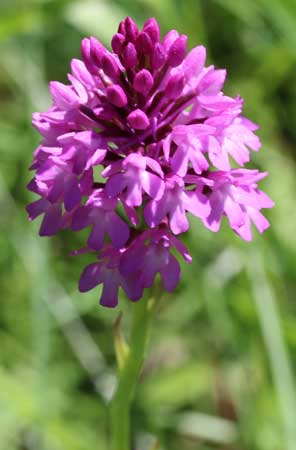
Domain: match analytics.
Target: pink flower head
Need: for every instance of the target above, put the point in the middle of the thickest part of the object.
(153, 122)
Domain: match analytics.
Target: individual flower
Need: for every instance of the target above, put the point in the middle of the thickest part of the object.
(149, 254)
(139, 139)
(174, 204)
(99, 212)
(235, 194)
(131, 178)
(106, 271)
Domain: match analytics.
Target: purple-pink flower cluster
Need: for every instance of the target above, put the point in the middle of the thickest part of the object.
(142, 136)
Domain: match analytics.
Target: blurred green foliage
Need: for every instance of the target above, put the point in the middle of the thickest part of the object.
(221, 366)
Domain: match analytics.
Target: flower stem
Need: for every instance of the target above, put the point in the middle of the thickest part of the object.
(128, 376)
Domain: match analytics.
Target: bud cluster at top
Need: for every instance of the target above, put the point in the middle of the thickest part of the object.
(141, 137)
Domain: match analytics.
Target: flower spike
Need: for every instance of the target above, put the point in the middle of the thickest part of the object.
(154, 122)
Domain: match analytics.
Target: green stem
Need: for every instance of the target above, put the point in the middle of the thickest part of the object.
(128, 377)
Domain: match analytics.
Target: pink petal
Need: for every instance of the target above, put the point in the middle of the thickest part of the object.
(80, 89)
(154, 165)
(132, 286)
(213, 221)
(237, 150)
(180, 247)
(218, 157)
(72, 194)
(82, 218)
(194, 62)
(179, 161)
(155, 211)
(170, 274)
(234, 213)
(52, 221)
(131, 214)
(133, 195)
(36, 208)
(197, 204)
(81, 73)
(213, 82)
(198, 160)
(245, 231)
(259, 220)
(63, 96)
(96, 158)
(96, 237)
(115, 185)
(90, 277)
(152, 184)
(117, 229)
(109, 297)
(178, 220)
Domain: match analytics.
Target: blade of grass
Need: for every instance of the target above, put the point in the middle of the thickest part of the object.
(280, 364)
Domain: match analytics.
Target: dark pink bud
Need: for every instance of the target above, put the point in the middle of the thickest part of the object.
(151, 27)
(143, 81)
(158, 57)
(121, 28)
(117, 42)
(144, 43)
(85, 48)
(170, 38)
(110, 66)
(130, 56)
(175, 86)
(97, 51)
(177, 51)
(116, 95)
(138, 120)
(131, 29)
(86, 56)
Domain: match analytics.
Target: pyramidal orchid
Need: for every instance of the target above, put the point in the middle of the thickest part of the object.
(152, 120)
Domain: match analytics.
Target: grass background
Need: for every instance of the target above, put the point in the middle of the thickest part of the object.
(220, 372)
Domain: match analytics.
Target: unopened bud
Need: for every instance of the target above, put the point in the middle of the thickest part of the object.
(129, 57)
(110, 66)
(86, 56)
(151, 27)
(170, 38)
(97, 51)
(116, 95)
(177, 51)
(117, 42)
(144, 43)
(158, 57)
(138, 120)
(143, 81)
(121, 28)
(131, 29)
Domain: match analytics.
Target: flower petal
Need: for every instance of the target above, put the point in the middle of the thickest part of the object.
(90, 277)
